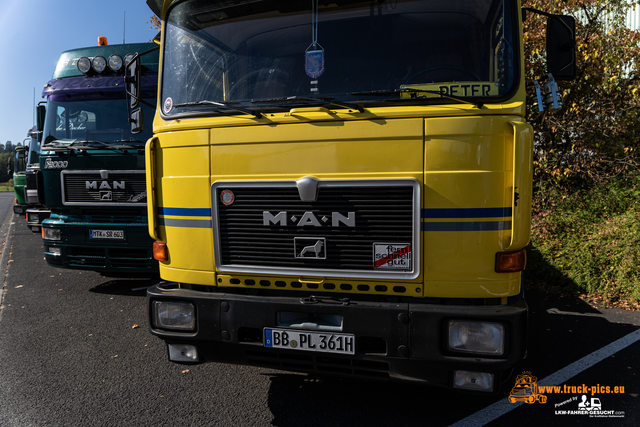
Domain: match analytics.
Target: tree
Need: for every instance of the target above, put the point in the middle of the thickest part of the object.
(597, 133)
(155, 22)
(4, 176)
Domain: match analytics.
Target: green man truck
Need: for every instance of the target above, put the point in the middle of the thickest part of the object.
(36, 213)
(16, 166)
(91, 173)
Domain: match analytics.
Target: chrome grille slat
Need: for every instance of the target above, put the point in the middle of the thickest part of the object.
(75, 191)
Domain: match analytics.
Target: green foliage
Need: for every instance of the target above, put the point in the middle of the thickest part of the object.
(589, 241)
(597, 134)
(587, 156)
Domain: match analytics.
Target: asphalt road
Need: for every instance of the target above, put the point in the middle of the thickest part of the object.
(75, 351)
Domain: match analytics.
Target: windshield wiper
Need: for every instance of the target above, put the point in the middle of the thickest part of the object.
(219, 104)
(82, 146)
(415, 92)
(133, 144)
(319, 101)
(130, 140)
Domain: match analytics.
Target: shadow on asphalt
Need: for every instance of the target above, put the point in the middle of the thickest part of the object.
(125, 286)
(296, 400)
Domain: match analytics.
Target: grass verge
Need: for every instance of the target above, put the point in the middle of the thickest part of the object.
(588, 243)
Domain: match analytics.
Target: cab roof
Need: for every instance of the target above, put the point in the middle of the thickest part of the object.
(67, 63)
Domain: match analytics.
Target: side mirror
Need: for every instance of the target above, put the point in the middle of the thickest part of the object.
(561, 47)
(41, 111)
(137, 121)
(9, 167)
(133, 79)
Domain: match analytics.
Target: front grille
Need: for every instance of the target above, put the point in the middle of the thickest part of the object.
(117, 188)
(268, 226)
(120, 216)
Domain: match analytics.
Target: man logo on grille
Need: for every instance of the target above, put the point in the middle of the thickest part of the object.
(106, 196)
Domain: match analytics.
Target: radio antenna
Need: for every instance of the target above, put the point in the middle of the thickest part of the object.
(124, 26)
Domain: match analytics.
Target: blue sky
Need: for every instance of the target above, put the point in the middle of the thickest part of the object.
(33, 33)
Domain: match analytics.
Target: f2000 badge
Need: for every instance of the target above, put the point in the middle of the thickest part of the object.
(55, 164)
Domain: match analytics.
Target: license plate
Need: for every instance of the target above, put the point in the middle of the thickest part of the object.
(106, 234)
(310, 341)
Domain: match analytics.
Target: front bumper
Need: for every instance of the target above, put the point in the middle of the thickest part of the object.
(76, 249)
(393, 341)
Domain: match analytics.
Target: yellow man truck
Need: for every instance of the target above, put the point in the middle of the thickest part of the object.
(344, 188)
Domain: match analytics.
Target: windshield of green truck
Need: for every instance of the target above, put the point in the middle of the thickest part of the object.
(91, 120)
(259, 54)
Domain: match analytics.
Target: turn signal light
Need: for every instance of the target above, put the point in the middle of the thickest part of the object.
(511, 262)
(160, 251)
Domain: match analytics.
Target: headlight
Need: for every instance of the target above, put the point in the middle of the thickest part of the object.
(174, 315)
(84, 65)
(51, 233)
(115, 62)
(33, 217)
(476, 337)
(99, 64)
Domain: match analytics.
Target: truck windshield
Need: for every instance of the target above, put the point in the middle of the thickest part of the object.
(91, 118)
(268, 54)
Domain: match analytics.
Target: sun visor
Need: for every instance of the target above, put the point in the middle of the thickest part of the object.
(79, 85)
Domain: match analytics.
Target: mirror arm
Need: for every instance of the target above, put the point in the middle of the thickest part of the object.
(536, 11)
(549, 15)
